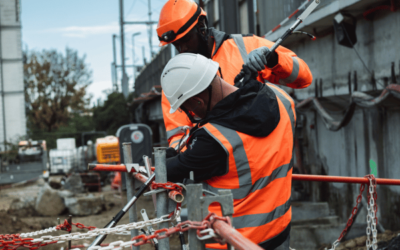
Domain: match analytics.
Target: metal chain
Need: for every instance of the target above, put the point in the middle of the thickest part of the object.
(204, 231)
(64, 226)
(44, 231)
(119, 230)
(15, 241)
(167, 186)
(372, 220)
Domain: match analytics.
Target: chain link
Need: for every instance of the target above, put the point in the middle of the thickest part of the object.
(372, 220)
(167, 186)
(204, 231)
(10, 242)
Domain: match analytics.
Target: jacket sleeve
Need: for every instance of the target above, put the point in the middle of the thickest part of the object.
(204, 156)
(173, 122)
(291, 71)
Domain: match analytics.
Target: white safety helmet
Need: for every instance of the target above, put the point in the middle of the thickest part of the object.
(185, 76)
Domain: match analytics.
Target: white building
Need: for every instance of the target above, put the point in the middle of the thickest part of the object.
(12, 101)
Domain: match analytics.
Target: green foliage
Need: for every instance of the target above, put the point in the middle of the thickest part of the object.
(76, 124)
(112, 115)
(55, 87)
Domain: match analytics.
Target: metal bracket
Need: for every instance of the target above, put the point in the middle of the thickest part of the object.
(129, 167)
(155, 191)
(149, 227)
(197, 206)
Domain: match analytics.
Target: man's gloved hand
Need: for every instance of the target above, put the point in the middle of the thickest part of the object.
(245, 75)
(256, 60)
(170, 152)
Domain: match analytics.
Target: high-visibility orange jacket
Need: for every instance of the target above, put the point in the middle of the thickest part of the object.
(230, 51)
(259, 176)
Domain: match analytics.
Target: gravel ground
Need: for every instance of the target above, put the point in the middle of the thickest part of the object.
(12, 224)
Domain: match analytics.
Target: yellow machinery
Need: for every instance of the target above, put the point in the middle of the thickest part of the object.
(107, 150)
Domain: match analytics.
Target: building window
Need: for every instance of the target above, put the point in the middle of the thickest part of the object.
(17, 6)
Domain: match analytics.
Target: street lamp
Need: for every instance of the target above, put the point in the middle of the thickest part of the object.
(133, 54)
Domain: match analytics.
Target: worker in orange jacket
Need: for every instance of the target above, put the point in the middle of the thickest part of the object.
(184, 24)
(243, 142)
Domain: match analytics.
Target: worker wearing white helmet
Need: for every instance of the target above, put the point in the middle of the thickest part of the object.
(243, 141)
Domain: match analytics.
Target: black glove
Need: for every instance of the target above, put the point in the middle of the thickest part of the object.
(170, 152)
(246, 74)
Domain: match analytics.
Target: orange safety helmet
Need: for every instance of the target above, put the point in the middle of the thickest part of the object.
(177, 18)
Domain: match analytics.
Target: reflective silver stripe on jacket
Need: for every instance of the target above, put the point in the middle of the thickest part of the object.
(286, 100)
(256, 220)
(240, 156)
(293, 76)
(243, 167)
(242, 192)
(238, 39)
(175, 131)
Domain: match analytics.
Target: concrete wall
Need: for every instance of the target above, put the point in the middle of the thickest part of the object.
(372, 134)
(377, 45)
(12, 100)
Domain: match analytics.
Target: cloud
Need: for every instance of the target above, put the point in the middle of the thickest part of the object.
(85, 31)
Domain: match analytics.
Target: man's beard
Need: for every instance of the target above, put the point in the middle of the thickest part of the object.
(202, 49)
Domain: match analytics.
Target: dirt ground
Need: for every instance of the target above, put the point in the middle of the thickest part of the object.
(23, 223)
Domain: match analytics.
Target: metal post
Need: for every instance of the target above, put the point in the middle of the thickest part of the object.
(70, 222)
(124, 82)
(150, 31)
(144, 56)
(130, 188)
(115, 78)
(194, 192)
(162, 198)
(133, 56)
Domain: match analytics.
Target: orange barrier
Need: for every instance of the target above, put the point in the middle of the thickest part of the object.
(110, 167)
(341, 179)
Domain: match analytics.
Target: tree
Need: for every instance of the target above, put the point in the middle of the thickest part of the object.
(55, 87)
(113, 114)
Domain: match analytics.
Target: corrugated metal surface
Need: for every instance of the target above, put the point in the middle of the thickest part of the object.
(372, 134)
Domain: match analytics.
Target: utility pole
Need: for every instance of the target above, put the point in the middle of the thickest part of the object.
(150, 31)
(144, 58)
(124, 82)
(114, 64)
(133, 56)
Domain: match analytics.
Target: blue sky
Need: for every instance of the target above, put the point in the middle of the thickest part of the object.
(87, 26)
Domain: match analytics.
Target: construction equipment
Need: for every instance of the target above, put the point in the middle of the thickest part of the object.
(107, 149)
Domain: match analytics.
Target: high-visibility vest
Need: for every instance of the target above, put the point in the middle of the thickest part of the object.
(259, 175)
(291, 71)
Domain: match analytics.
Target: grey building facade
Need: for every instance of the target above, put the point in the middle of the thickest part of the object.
(12, 100)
